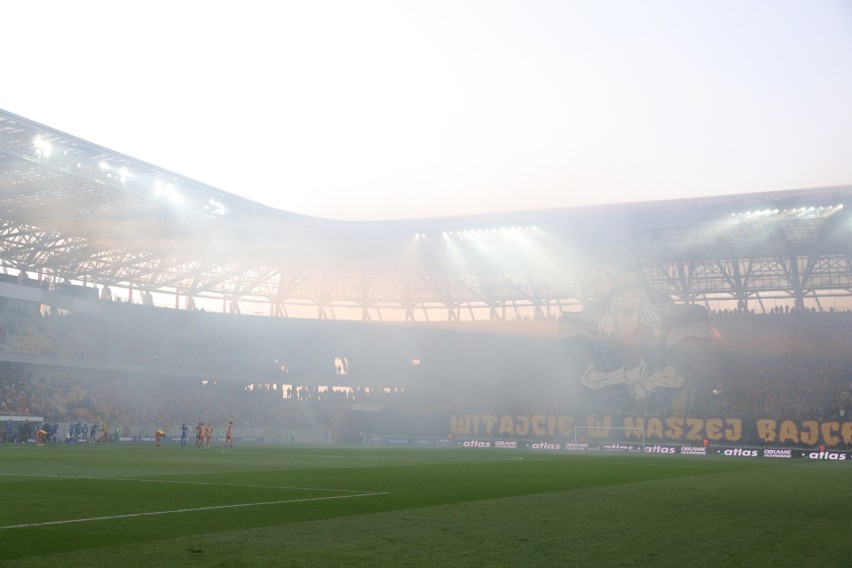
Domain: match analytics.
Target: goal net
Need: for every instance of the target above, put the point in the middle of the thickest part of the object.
(611, 437)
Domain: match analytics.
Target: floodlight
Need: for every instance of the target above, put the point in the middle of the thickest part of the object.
(215, 207)
(43, 147)
(172, 193)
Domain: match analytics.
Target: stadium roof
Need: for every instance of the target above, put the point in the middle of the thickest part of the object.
(74, 210)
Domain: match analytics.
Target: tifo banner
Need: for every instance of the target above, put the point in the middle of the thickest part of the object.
(685, 430)
(636, 349)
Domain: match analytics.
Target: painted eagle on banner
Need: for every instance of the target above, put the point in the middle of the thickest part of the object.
(629, 338)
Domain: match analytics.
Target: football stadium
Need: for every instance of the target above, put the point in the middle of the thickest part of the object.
(190, 378)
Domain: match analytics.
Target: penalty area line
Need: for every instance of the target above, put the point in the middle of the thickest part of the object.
(191, 510)
(179, 482)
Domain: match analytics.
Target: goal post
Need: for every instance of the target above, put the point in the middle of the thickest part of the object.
(620, 438)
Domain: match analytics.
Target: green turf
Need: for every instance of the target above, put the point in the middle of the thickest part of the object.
(138, 505)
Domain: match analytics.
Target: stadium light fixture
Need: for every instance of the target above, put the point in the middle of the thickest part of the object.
(215, 207)
(167, 190)
(493, 232)
(42, 147)
(801, 211)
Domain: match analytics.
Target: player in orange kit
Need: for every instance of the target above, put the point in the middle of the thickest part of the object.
(229, 436)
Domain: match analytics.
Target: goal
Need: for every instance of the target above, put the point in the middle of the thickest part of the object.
(611, 437)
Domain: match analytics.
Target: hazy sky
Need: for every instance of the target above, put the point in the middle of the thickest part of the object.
(377, 110)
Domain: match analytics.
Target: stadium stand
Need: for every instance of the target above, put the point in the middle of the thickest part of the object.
(146, 314)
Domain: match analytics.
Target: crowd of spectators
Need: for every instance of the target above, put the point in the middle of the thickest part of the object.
(134, 402)
(15, 392)
(784, 364)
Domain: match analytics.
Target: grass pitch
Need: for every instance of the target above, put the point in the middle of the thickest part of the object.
(126, 505)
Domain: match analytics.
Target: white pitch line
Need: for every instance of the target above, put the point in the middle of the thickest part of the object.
(176, 481)
(226, 484)
(172, 512)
